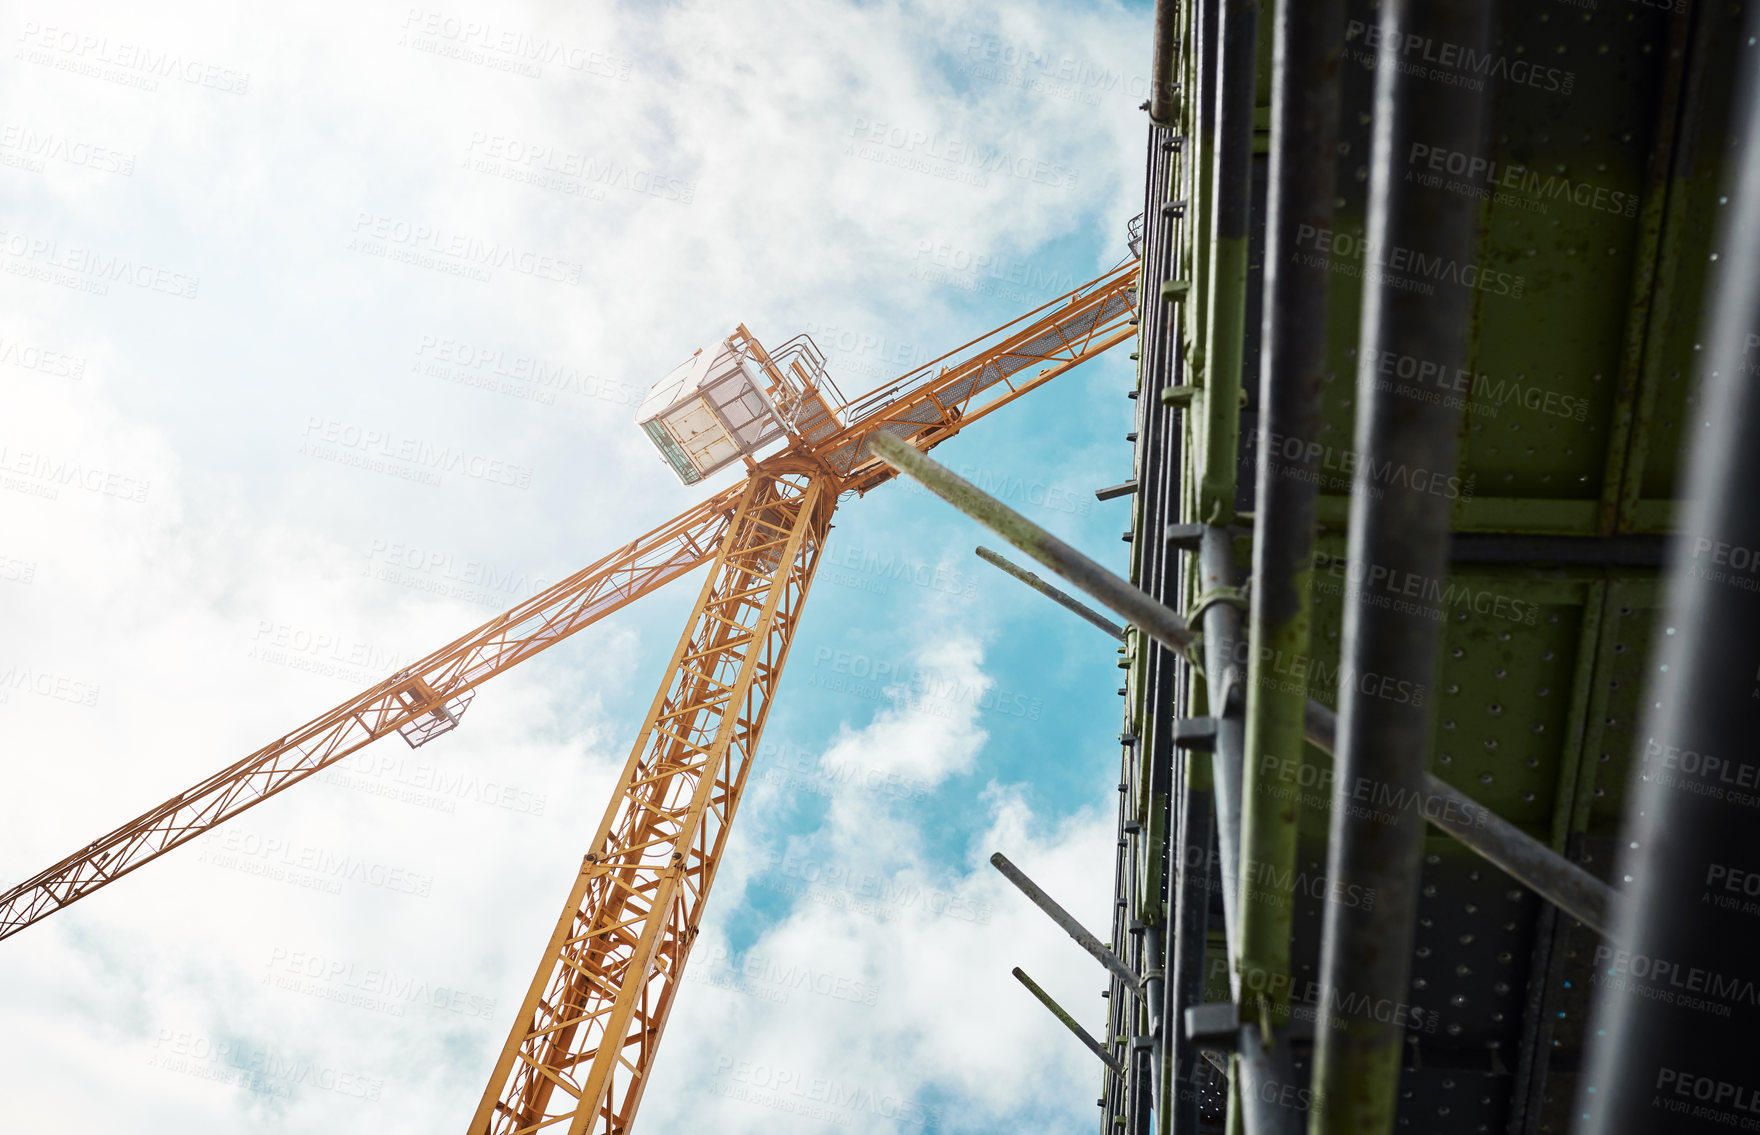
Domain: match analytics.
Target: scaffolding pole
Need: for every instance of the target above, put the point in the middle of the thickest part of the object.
(1526, 859)
(1307, 50)
(1069, 1022)
(1061, 598)
(1225, 687)
(1672, 1045)
(1191, 915)
(1231, 211)
(1366, 954)
(1162, 88)
(1083, 936)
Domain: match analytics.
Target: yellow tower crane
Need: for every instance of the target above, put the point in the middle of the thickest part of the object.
(583, 1043)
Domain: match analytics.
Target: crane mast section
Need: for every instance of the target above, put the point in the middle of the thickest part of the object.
(420, 702)
(583, 1044)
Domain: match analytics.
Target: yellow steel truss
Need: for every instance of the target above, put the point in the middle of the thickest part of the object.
(581, 1048)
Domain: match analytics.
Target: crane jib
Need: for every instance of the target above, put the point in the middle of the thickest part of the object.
(604, 991)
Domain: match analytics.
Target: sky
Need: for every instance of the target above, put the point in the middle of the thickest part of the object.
(235, 316)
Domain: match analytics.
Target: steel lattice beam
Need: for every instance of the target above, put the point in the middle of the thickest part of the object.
(417, 695)
(581, 1048)
(926, 407)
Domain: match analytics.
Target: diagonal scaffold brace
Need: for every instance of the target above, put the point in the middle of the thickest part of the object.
(1525, 859)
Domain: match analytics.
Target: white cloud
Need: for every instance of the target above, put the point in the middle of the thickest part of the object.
(225, 569)
(882, 999)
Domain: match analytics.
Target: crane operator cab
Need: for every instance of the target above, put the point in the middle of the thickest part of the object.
(735, 398)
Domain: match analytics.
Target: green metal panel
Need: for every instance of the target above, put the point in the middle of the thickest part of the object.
(1507, 688)
(1563, 249)
(1616, 707)
(1596, 206)
(1665, 398)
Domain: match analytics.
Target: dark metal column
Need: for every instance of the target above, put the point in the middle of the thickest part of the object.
(1256, 1066)
(1198, 171)
(1191, 933)
(1398, 529)
(1149, 772)
(1678, 1012)
(1158, 567)
(1161, 87)
(1231, 209)
(1224, 684)
(1304, 141)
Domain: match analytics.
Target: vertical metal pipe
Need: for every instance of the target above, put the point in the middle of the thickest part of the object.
(1231, 209)
(1119, 1007)
(1266, 1083)
(1254, 1109)
(1154, 997)
(1161, 93)
(1672, 1045)
(1307, 52)
(1156, 566)
(1141, 1099)
(1397, 532)
(1223, 682)
(1191, 913)
(1202, 116)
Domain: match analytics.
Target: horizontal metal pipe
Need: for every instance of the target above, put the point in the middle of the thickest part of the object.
(1069, 1022)
(1498, 548)
(1067, 920)
(1062, 598)
(1521, 856)
(1160, 623)
(1524, 858)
